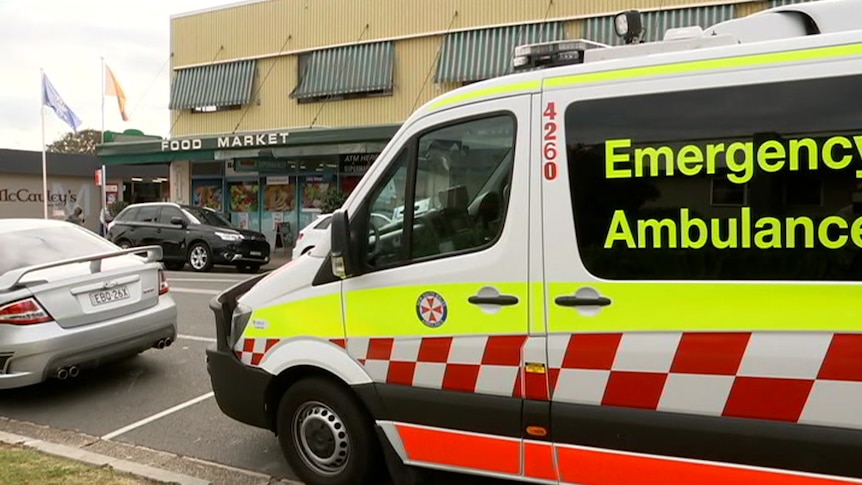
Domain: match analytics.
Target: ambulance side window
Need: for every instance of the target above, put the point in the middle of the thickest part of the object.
(750, 182)
(457, 199)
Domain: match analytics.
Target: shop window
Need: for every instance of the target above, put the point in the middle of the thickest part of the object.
(455, 201)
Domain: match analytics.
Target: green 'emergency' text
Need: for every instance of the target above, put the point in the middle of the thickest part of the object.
(741, 158)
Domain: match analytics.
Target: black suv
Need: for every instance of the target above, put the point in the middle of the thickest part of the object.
(198, 236)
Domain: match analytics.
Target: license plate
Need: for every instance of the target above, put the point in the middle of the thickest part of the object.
(255, 253)
(103, 297)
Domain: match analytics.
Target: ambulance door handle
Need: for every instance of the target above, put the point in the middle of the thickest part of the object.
(502, 300)
(578, 301)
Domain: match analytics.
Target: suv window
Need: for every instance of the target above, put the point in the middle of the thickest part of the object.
(127, 215)
(148, 213)
(754, 182)
(168, 212)
(458, 201)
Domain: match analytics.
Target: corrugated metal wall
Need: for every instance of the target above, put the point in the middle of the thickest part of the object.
(781, 3)
(414, 62)
(288, 25)
(601, 29)
(265, 27)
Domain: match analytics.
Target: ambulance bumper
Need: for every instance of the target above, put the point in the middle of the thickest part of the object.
(239, 390)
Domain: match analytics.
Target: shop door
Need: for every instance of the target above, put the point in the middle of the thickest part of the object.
(244, 203)
(279, 217)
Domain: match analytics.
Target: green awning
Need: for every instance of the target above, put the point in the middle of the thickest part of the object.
(476, 55)
(601, 29)
(363, 68)
(226, 84)
(783, 3)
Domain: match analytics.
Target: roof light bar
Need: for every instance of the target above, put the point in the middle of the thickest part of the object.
(551, 54)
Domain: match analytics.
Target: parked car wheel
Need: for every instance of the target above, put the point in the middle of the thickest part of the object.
(123, 243)
(200, 257)
(327, 436)
(248, 268)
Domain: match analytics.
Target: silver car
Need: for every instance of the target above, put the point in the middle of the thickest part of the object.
(71, 300)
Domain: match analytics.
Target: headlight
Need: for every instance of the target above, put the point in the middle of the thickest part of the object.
(239, 320)
(229, 236)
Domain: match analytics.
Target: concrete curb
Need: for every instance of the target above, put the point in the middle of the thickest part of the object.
(95, 459)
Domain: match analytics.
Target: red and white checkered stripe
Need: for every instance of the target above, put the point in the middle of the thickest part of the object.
(812, 377)
(481, 364)
(251, 350)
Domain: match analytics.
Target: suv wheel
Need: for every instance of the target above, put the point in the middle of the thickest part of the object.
(200, 257)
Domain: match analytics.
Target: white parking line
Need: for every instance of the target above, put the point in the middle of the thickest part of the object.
(196, 338)
(154, 417)
(198, 291)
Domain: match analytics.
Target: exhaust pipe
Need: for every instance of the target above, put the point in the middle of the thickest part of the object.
(73, 371)
(162, 343)
(168, 342)
(62, 374)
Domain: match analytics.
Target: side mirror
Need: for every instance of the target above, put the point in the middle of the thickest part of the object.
(179, 221)
(342, 257)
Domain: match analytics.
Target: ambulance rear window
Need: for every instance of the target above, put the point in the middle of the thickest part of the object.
(756, 182)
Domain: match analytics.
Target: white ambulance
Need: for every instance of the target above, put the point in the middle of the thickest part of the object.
(637, 265)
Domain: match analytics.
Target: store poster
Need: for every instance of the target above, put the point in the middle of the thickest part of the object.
(245, 204)
(208, 193)
(314, 191)
(279, 210)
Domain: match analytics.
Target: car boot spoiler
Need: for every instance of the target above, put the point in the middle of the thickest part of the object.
(11, 279)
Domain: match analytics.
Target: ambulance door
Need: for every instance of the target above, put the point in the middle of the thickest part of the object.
(438, 315)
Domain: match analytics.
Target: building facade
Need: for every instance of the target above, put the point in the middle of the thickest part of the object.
(71, 183)
(275, 104)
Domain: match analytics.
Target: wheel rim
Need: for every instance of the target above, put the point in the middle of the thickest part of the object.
(124, 245)
(321, 438)
(198, 258)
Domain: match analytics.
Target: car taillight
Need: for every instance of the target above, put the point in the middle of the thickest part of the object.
(163, 283)
(23, 312)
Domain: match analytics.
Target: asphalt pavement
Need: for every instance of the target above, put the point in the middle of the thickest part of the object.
(162, 399)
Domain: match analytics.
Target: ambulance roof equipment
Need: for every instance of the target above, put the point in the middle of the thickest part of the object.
(811, 18)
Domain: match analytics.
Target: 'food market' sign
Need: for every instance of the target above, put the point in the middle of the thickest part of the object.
(230, 141)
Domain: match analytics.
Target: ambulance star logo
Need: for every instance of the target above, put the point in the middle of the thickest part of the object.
(432, 309)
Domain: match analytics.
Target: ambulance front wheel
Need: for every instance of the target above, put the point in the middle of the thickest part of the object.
(326, 435)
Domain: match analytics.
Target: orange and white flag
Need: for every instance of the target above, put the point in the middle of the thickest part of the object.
(113, 88)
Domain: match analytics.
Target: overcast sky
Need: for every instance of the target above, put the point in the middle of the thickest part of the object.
(67, 39)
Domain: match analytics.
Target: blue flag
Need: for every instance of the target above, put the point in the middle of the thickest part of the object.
(51, 98)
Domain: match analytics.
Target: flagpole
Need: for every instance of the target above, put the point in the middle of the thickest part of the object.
(104, 204)
(44, 149)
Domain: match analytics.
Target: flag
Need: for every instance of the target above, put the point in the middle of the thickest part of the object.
(51, 98)
(113, 88)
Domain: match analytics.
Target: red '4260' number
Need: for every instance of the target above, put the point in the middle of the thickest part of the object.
(549, 141)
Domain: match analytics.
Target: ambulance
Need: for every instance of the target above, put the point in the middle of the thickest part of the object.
(631, 265)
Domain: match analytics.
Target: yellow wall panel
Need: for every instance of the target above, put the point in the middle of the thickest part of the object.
(278, 25)
(265, 28)
(273, 108)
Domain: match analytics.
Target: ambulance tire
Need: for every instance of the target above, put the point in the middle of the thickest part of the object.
(328, 410)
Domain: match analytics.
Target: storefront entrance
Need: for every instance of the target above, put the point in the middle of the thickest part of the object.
(277, 197)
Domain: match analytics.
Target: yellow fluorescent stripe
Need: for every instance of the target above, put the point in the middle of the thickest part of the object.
(712, 307)
(313, 317)
(481, 93)
(386, 312)
(730, 62)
